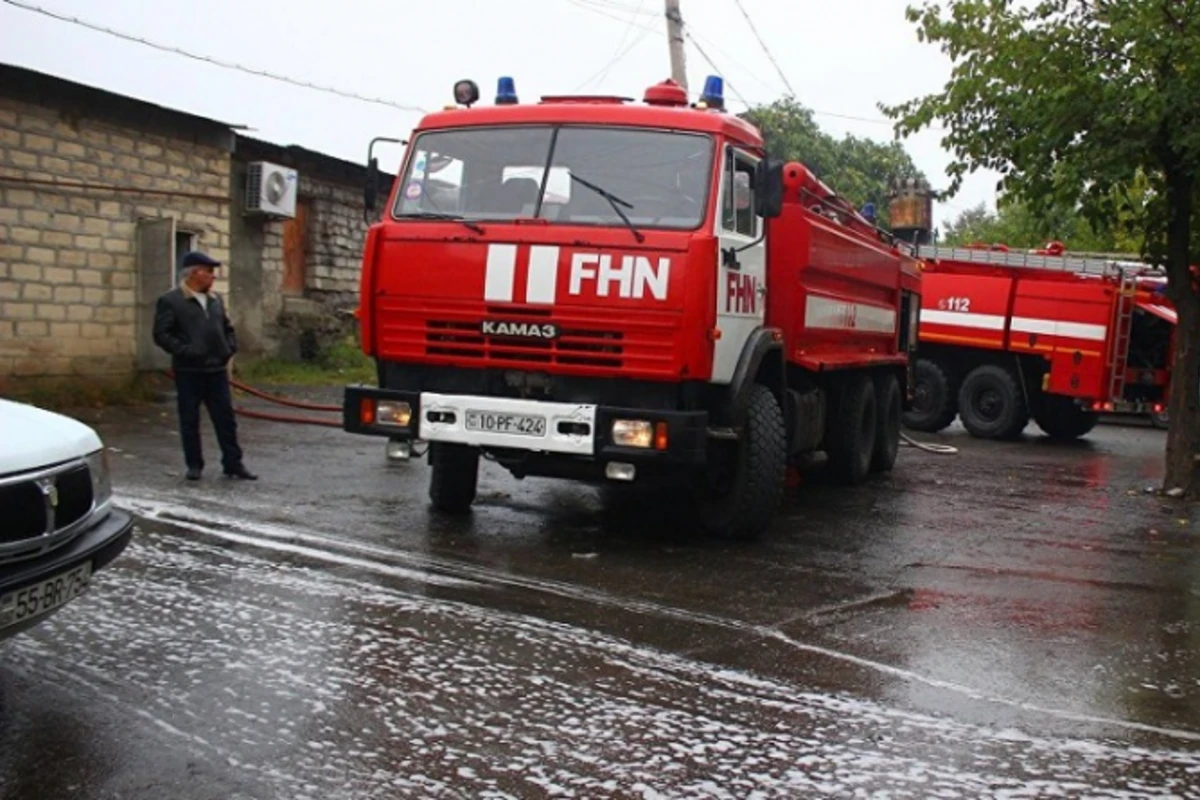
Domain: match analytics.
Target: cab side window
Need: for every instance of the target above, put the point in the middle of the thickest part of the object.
(737, 201)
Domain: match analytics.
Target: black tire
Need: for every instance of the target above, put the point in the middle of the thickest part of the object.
(890, 406)
(934, 402)
(743, 487)
(1062, 420)
(455, 477)
(991, 405)
(851, 430)
(1160, 420)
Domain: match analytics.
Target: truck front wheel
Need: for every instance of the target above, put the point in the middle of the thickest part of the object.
(852, 430)
(455, 476)
(991, 404)
(743, 484)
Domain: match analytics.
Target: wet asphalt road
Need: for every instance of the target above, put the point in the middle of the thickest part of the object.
(1017, 620)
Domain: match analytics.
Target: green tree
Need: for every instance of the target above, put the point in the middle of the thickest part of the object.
(1074, 102)
(858, 169)
(1016, 224)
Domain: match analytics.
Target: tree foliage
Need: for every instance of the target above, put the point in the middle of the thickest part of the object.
(1016, 224)
(1074, 102)
(858, 169)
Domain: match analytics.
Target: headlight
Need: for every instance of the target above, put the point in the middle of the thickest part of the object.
(632, 433)
(391, 412)
(101, 479)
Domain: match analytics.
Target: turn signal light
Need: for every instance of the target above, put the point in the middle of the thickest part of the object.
(366, 411)
(660, 436)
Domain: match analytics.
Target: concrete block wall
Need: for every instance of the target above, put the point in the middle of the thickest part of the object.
(68, 256)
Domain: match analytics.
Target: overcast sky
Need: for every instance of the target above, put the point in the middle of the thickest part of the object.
(840, 58)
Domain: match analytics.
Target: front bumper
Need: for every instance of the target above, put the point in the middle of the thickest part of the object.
(99, 544)
(578, 430)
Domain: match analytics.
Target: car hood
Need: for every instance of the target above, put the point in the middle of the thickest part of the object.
(31, 438)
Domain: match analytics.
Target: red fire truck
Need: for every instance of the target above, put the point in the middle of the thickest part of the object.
(597, 289)
(1007, 336)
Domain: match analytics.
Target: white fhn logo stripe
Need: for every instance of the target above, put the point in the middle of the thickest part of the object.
(541, 285)
(501, 272)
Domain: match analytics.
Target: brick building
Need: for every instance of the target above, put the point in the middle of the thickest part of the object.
(101, 193)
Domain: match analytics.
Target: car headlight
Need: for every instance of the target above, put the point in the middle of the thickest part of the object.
(632, 433)
(101, 478)
(393, 412)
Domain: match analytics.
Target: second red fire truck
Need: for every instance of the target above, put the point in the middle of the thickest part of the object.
(1046, 335)
(597, 289)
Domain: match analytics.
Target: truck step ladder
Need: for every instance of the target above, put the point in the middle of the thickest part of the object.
(1118, 356)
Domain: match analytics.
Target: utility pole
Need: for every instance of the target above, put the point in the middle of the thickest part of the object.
(675, 43)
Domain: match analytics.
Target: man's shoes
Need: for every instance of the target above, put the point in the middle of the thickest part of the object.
(193, 473)
(241, 473)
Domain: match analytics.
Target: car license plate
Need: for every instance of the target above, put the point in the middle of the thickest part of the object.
(493, 422)
(42, 598)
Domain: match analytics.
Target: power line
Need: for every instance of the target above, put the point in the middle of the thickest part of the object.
(766, 49)
(210, 60)
(704, 55)
(621, 51)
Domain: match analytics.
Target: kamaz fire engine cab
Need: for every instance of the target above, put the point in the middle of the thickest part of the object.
(1006, 336)
(597, 289)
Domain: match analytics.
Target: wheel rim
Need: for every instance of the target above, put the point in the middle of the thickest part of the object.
(988, 404)
(922, 398)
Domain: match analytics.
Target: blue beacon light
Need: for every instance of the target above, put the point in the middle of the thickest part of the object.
(713, 95)
(506, 91)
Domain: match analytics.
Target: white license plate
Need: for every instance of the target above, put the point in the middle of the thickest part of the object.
(42, 598)
(495, 422)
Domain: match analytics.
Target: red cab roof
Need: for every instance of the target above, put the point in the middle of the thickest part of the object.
(597, 111)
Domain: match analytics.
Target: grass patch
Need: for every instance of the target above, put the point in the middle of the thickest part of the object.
(63, 394)
(336, 365)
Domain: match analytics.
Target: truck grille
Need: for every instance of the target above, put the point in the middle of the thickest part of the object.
(25, 511)
(641, 345)
(578, 347)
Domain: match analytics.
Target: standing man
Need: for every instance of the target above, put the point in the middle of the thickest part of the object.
(190, 323)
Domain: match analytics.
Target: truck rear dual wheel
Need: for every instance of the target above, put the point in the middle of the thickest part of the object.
(934, 403)
(887, 431)
(743, 484)
(455, 477)
(852, 430)
(991, 404)
(1063, 420)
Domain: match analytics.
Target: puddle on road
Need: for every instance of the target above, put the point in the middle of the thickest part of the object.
(333, 683)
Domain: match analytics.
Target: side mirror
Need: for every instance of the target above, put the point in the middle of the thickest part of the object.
(371, 190)
(768, 188)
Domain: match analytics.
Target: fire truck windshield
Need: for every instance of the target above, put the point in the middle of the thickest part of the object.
(501, 173)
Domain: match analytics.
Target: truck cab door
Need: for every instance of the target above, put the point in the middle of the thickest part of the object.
(741, 262)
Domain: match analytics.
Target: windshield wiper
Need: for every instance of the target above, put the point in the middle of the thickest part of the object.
(442, 215)
(615, 202)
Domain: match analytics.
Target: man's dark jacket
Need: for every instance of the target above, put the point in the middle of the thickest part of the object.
(198, 341)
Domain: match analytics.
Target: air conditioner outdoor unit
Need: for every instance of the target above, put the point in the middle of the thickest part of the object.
(271, 190)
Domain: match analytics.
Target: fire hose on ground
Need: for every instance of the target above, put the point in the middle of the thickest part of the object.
(283, 401)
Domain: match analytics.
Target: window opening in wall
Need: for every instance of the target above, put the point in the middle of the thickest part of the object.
(184, 242)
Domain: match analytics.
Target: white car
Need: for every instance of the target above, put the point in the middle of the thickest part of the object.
(57, 522)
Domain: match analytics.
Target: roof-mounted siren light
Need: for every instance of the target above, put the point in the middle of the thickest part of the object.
(868, 212)
(466, 93)
(713, 95)
(506, 92)
(667, 93)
